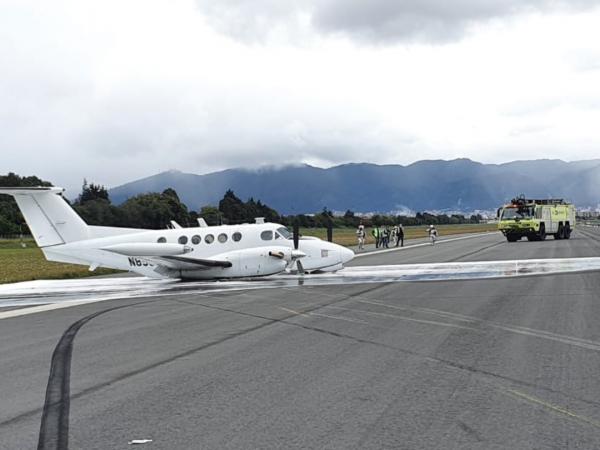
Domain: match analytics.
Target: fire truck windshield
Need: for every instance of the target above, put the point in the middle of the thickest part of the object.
(517, 212)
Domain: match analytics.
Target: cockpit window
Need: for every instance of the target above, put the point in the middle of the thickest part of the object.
(266, 235)
(284, 232)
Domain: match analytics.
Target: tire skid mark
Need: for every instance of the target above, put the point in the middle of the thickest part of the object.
(124, 376)
(458, 258)
(54, 426)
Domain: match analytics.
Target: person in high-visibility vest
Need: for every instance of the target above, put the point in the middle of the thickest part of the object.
(376, 232)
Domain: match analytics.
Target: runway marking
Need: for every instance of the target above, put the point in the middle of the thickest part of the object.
(347, 319)
(549, 406)
(569, 340)
(410, 319)
(293, 312)
(423, 244)
(37, 309)
(308, 314)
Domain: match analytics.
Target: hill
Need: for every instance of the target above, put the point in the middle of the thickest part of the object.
(460, 184)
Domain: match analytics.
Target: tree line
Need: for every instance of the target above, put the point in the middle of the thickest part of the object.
(156, 210)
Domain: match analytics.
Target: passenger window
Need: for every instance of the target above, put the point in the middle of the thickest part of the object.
(196, 239)
(209, 239)
(161, 240)
(266, 235)
(222, 238)
(182, 240)
(237, 236)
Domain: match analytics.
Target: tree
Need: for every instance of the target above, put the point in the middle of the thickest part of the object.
(210, 214)
(232, 208)
(11, 220)
(92, 192)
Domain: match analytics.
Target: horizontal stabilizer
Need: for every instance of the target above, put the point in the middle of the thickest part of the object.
(29, 190)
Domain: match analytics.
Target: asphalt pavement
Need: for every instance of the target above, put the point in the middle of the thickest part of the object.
(483, 364)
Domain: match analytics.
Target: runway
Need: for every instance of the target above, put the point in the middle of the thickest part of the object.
(505, 362)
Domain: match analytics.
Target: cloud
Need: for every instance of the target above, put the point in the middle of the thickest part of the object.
(373, 21)
(115, 91)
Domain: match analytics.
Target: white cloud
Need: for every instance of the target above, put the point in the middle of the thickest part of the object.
(114, 91)
(375, 21)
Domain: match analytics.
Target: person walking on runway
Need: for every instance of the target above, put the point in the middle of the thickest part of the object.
(399, 235)
(432, 234)
(376, 232)
(385, 237)
(361, 235)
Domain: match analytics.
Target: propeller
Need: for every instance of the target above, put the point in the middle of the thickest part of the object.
(296, 254)
(329, 229)
(296, 234)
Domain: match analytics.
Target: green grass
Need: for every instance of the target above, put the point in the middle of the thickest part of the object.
(24, 264)
(347, 236)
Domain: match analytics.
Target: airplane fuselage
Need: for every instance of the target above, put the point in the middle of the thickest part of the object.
(249, 249)
(225, 251)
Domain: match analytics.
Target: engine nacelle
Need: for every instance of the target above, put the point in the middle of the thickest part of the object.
(251, 262)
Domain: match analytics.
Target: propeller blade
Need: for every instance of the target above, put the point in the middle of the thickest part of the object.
(296, 234)
(300, 267)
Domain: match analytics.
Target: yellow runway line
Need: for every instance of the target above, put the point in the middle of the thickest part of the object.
(549, 406)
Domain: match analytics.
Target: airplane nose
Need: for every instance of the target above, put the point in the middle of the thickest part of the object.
(347, 255)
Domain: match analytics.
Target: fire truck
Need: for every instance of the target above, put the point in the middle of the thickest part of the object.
(536, 219)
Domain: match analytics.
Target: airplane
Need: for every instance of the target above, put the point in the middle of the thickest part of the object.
(200, 253)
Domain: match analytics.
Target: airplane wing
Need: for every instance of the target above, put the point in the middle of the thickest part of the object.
(194, 263)
(166, 256)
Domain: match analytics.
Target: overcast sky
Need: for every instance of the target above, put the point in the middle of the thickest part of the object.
(117, 90)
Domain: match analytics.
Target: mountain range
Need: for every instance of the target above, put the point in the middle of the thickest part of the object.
(456, 185)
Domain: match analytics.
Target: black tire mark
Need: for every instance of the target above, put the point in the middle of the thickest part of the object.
(475, 252)
(54, 427)
(65, 397)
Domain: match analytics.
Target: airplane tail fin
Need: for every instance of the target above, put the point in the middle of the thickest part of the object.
(49, 217)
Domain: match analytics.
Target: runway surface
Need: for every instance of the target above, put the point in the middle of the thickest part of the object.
(508, 362)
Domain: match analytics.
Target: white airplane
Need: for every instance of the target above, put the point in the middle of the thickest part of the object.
(215, 252)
